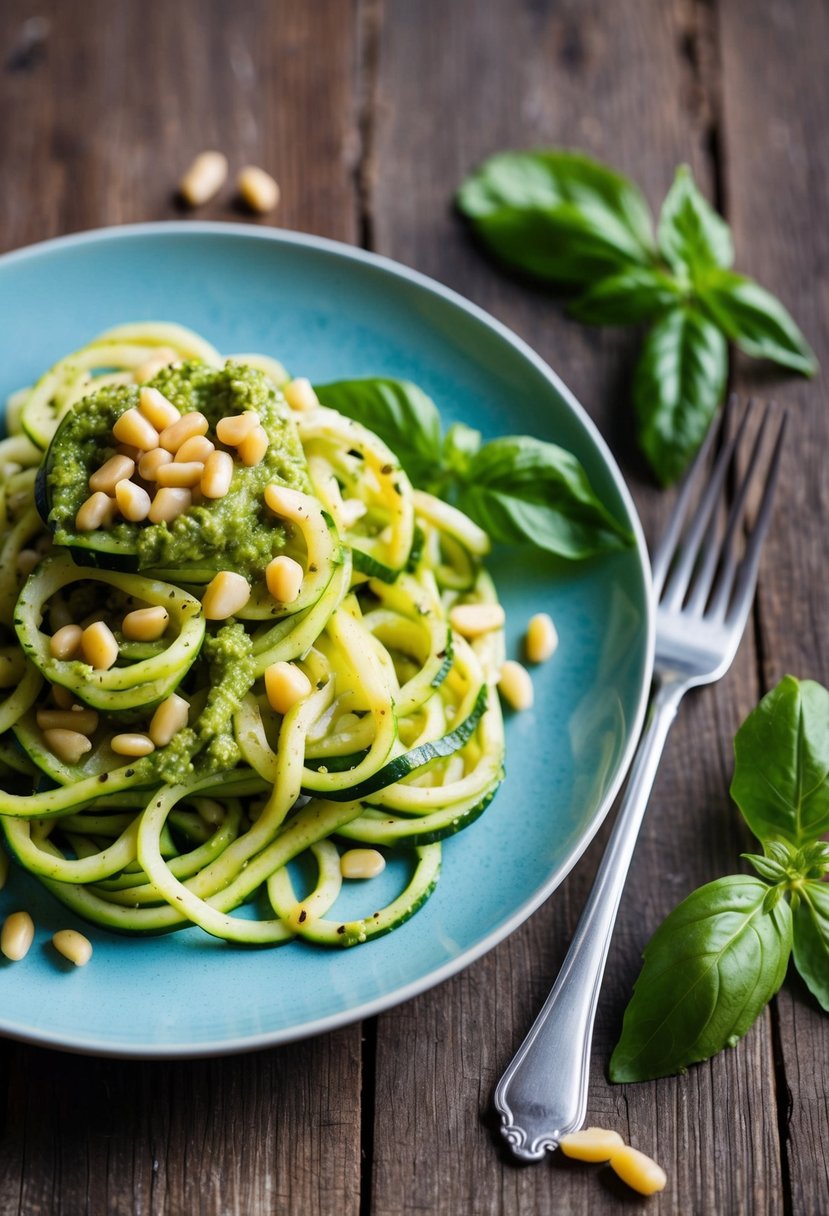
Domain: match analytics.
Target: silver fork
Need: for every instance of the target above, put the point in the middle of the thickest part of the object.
(704, 593)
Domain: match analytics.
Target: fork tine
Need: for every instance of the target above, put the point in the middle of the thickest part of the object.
(668, 541)
(677, 585)
(746, 571)
(722, 555)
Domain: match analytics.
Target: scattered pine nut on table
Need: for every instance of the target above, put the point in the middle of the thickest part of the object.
(257, 189)
(204, 178)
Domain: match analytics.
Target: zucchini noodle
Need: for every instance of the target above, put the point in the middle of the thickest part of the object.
(237, 820)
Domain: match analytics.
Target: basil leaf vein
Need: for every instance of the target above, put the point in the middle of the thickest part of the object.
(678, 384)
(756, 320)
(691, 234)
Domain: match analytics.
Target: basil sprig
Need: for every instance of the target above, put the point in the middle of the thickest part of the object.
(717, 959)
(519, 489)
(570, 220)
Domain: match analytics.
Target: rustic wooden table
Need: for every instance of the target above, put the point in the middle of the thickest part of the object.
(370, 113)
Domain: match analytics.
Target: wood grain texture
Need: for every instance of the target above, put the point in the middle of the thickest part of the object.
(271, 1132)
(105, 105)
(102, 106)
(505, 76)
(777, 183)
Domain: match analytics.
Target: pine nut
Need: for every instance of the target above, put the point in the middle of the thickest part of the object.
(352, 510)
(65, 642)
(284, 578)
(473, 620)
(157, 409)
(111, 472)
(187, 474)
(160, 358)
(198, 447)
(26, 561)
(188, 425)
(99, 646)
(362, 863)
(67, 745)
(203, 179)
(62, 696)
(285, 684)
(145, 624)
(151, 462)
(132, 744)
(253, 447)
(591, 1144)
(4, 869)
(98, 511)
(217, 476)
(133, 501)
(257, 188)
(169, 503)
(300, 394)
(169, 718)
(17, 935)
(284, 501)
(73, 946)
(638, 1170)
(542, 638)
(515, 685)
(225, 594)
(134, 429)
(235, 427)
(130, 451)
(83, 720)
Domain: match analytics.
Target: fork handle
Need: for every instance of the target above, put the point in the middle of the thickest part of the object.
(543, 1093)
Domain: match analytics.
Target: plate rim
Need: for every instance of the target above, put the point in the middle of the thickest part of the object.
(371, 1008)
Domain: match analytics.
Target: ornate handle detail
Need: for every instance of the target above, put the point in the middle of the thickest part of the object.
(542, 1096)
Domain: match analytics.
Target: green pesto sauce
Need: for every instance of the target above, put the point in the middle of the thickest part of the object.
(236, 532)
(209, 745)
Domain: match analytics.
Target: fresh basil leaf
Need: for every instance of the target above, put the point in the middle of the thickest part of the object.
(781, 769)
(460, 443)
(677, 387)
(558, 215)
(754, 319)
(811, 939)
(520, 489)
(638, 293)
(691, 234)
(767, 867)
(399, 412)
(709, 970)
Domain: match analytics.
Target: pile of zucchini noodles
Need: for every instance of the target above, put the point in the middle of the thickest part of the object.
(399, 744)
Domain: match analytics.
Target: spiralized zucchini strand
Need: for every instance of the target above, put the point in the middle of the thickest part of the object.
(394, 740)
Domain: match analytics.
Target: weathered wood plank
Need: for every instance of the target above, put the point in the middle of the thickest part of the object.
(775, 127)
(270, 1132)
(101, 108)
(105, 106)
(455, 83)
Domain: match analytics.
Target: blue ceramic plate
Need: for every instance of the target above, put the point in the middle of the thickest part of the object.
(329, 312)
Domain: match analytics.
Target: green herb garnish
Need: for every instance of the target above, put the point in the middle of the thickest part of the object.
(569, 220)
(718, 958)
(518, 489)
